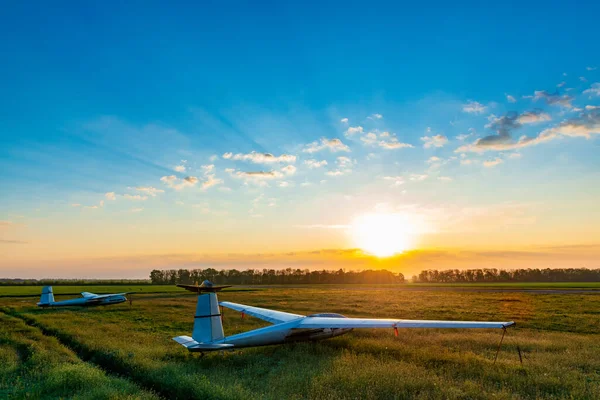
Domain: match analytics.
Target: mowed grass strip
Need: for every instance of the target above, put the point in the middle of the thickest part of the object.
(35, 366)
(558, 336)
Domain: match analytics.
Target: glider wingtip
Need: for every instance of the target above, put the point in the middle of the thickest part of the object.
(509, 324)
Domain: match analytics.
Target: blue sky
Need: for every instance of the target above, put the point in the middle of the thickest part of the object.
(100, 99)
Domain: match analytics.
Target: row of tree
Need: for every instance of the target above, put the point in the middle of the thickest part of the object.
(272, 276)
(515, 275)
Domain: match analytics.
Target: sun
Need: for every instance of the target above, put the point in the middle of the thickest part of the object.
(383, 235)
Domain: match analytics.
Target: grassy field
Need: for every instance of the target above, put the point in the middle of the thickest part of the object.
(28, 291)
(122, 351)
(25, 290)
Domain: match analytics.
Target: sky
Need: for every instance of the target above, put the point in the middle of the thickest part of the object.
(261, 135)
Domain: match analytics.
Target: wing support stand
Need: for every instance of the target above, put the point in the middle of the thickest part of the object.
(500, 344)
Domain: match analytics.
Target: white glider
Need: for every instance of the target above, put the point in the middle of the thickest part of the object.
(207, 334)
(86, 299)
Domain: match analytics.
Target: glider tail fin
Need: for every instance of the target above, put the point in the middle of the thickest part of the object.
(47, 296)
(207, 320)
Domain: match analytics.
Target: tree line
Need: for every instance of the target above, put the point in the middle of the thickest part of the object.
(272, 276)
(515, 275)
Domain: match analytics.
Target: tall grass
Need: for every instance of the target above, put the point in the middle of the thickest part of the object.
(558, 335)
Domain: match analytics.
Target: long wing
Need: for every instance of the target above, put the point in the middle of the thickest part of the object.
(317, 322)
(92, 296)
(272, 316)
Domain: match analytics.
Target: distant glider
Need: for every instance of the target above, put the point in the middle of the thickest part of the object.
(207, 334)
(87, 299)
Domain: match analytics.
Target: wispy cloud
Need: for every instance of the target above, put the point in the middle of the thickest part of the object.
(260, 158)
(179, 168)
(312, 163)
(110, 196)
(344, 120)
(353, 130)
(396, 180)
(385, 140)
(510, 98)
(552, 98)
(175, 183)
(136, 210)
(333, 145)
(135, 197)
(492, 163)
(585, 125)
(474, 107)
(375, 116)
(149, 190)
(418, 177)
(594, 90)
(434, 141)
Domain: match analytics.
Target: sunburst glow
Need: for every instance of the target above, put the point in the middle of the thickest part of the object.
(383, 235)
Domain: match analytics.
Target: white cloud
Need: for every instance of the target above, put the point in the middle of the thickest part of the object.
(492, 163)
(444, 179)
(396, 180)
(434, 141)
(344, 162)
(510, 98)
(592, 107)
(289, 170)
(261, 158)
(75, 205)
(258, 178)
(344, 120)
(175, 183)
(529, 117)
(563, 83)
(333, 145)
(136, 210)
(91, 207)
(593, 90)
(582, 79)
(433, 160)
(585, 125)
(312, 163)
(135, 197)
(211, 181)
(336, 172)
(591, 68)
(418, 177)
(385, 140)
(207, 169)
(110, 195)
(284, 184)
(149, 190)
(464, 136)
(375, 116)
(353, 130)
(180, 168)
(514, 155)
(467, 162)
(474, 107)
(552, 99)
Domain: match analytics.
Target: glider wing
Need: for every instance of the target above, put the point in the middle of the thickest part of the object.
(317, 322)
(272, 316)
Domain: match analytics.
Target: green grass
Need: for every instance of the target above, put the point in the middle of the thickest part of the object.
(27, 291)
(558, 335)
(516, 285)
(36, 366)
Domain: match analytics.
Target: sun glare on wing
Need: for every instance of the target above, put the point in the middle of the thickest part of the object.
(383, 235)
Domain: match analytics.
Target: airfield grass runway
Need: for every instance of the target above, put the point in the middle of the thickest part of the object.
(125, 351)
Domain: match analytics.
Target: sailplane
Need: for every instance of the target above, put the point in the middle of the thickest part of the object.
(87, 299)
(207, 333)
